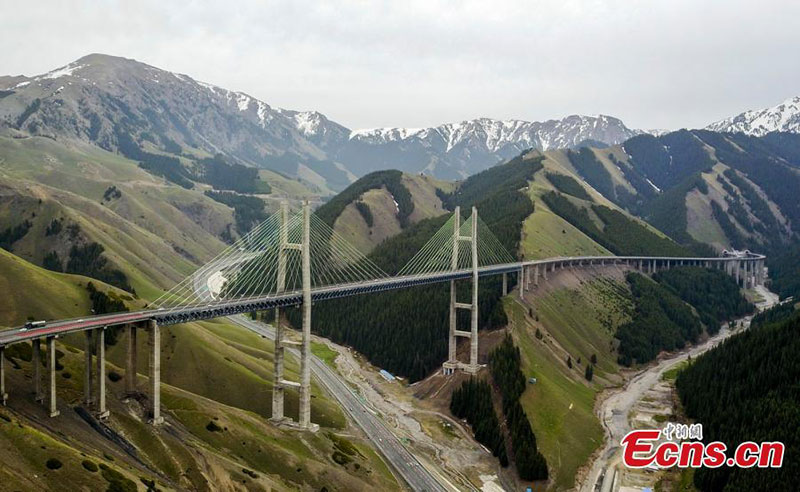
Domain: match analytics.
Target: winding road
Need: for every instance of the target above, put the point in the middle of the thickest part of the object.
(404, 463)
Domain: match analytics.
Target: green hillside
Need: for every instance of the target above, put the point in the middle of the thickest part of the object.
(56, 295)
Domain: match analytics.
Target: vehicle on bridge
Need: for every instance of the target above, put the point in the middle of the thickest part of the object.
(33, 324)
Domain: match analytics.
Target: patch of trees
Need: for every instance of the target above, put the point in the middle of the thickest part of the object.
(620, 234)
(669, 159)
(52, 261)
(736, 238)
(504, 363)
(29, 110)
(502, 179)
(170, 145)
(713, 293)
(593, 171)
(234, 177)
(102, 303)
(365, 212)
(746, 389)
(784, 272)
(405, 331)
(167, 167)
(391, 179)
(11, 235)
(248, 211)
(767, 225)
(472, 401)
(88, 260)
(667, 211)
(111, 193)
(661, 321)
(568, 185)
(54, 227)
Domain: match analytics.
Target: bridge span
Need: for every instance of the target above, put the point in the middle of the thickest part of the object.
(441, 261)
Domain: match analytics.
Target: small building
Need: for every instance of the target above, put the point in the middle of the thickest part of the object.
(532, 380)
(387, 375)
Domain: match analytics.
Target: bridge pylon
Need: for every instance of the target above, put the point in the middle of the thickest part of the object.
(452, 360)
(281, 383)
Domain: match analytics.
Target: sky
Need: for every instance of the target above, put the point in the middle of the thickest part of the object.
(660, 64)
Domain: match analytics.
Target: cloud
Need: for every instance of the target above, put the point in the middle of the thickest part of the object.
(660, 64)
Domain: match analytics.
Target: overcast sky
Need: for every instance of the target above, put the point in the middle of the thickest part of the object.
(655, 64)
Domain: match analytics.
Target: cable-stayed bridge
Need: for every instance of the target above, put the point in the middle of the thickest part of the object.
(297, 260)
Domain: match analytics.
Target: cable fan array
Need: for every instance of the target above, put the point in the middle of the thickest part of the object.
(249, 267)
(436, 256)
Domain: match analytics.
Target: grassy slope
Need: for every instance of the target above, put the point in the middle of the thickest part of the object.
(214, 360)
(578, 319)
(575, 322)
(183, 453)
(19, 303)
(352, 226)
(155, 232)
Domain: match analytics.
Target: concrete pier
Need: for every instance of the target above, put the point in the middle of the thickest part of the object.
(87, 364)
(473, 348)
(278, 389)
(36, 362)
(452, 362)
(452, 341)
(305, 349)
(154, 384)
(51, 379)
(505, 284)
(130, 362)
(100, 339)
(3, 394)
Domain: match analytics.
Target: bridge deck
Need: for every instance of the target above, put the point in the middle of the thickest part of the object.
(182, 314)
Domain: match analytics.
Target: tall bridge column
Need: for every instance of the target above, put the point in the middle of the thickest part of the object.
(100, 339)
(130, 361)
(305, 349)
(505, 284)
(544, 271)
(452, 343)
(3, 394)
(154, 344)
(737, 265)
(87, 364)
(36, 362)
(51, 372)
(528, 278)
(278, 388)
(452, 361)
(521, 282)
(536, 275)
(473, 348)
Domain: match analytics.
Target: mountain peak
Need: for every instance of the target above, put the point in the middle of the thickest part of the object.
(783, 117)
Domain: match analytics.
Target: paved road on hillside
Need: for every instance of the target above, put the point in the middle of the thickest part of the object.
(406, 464)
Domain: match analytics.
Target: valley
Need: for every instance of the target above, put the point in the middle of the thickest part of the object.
(120, 182)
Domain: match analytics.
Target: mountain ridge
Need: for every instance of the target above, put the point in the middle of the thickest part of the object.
(783, 117)
(97, 97)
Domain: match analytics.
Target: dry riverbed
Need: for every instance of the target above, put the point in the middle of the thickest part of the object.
(644, 402)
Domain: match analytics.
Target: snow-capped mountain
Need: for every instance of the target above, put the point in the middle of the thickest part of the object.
(108, 101)
(456, 150)
(785, 117)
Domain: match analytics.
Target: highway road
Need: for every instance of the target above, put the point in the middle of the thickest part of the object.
(393, 451)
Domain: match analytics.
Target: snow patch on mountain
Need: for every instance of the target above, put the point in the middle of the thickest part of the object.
(61, 72)
(493, 135)
(784, 117)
